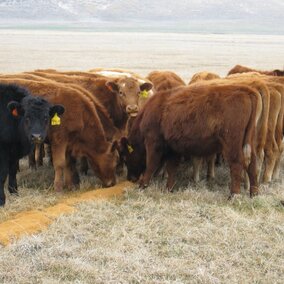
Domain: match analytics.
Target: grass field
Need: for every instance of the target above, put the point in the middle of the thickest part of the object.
(194, 235)
(191, 236)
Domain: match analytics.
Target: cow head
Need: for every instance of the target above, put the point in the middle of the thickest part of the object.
(104, 164)
(134, 158)
(35, 115)
(129, 91)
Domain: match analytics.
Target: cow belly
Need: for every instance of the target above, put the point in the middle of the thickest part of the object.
(196, 147)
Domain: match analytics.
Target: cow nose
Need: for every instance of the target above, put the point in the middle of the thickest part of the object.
(132, 109)
(36, 138)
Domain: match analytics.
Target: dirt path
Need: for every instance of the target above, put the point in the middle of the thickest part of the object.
(34, 221)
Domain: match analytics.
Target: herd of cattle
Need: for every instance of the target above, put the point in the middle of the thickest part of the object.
(105, 119)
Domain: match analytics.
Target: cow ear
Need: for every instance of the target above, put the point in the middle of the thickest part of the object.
(112, 86)
(15, 108)
(146, 86)
(59, 109)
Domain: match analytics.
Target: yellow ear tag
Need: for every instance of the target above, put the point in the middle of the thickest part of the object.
(55, 120)
(130, 149)
(144, 94)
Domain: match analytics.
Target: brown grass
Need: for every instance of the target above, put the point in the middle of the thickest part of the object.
(191, 236)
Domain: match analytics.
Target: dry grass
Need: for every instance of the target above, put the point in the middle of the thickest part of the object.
(36, 191)
(191, 236)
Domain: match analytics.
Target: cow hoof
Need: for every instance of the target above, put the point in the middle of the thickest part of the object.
(143, 186)
(232, 196)
(58, 188)
(253, 194)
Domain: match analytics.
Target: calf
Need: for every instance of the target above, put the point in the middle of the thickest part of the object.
(201, 120)
(165, 80)
(25, 120)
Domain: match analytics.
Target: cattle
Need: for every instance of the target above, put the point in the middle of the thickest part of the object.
(79, 133)
(203, 76)
(273, 140)
(164, 80)
(83, 85)
(244, 69)
(133, 148)
(210, 161)
(262, 125)
(25, 120)
(198, 120)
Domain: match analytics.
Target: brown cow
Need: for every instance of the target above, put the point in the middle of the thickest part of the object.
(203, 76)
(244, 69)
(201, 120)
(210, 161)
(79, 134)
(273, 141)
(164, 80)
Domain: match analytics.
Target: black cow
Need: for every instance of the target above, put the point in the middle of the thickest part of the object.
(24, 120)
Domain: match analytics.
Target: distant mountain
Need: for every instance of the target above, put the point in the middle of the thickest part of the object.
(137, 10)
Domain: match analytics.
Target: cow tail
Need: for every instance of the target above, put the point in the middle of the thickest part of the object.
(250, 134)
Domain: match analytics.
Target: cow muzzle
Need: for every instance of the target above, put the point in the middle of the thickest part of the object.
(132, 110)
(37, 138)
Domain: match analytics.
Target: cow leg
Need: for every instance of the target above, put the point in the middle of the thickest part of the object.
(39, 154)
(49, 154)
(276, 171)
(211, 167)
(171, 168)
(246, 180)
(58, 154)
(259, 163)
(32, 160)
(270, 160)
(71, 177)
(153, 161)
(4, 166)
(120, 166)
(197, 165)
(252, 173)
(12, 184)
(236, 169)
(84, 166)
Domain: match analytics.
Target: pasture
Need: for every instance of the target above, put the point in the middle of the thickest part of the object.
(193, 235)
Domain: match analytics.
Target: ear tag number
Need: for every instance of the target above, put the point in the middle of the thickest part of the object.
(144, 94)
(55, 120)
(130, 149)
